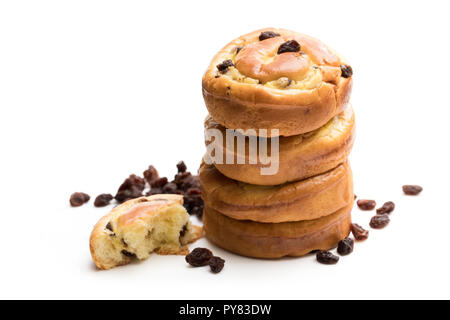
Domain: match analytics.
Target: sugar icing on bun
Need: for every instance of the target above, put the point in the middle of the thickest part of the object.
(276, 79)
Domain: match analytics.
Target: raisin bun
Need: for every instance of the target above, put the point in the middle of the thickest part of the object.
(276, 79)
(307, 199)
(300, 157)
(276, 240)
(138, 227)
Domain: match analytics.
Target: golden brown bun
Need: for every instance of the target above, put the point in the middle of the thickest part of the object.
(300, 157)
(308, 199)
(276, 240)
(293, 92)
(157, 223)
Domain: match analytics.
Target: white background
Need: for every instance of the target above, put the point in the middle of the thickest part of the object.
(91, 91)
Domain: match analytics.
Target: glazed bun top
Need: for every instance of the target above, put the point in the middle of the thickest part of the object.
(279, 59)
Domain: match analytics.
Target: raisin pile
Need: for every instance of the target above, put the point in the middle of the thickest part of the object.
(134, 186)
(345, 247)
(201, 257)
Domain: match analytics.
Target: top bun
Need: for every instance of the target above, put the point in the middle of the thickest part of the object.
(276, 79)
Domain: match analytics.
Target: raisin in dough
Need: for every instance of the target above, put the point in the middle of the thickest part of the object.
(138, 227)
(257, 88)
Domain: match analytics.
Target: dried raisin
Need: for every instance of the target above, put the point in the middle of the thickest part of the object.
(345, 247)
(267, 35)
(223, 67)
(359, 232)
(379, 221)
(103, 200)
(78, 199)
(388, 207)
(289, 46)
(366, 204)
(199, 257)
(216, 264)
(326, 257)
(412, 190)
(346, 71)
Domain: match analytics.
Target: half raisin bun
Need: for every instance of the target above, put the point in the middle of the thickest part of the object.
(300, 157)
(138, 227)
(276, 79)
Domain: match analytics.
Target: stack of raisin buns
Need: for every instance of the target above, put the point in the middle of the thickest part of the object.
(290, 92)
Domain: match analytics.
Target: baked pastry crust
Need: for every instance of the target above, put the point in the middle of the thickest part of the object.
(307, 199)
(118, 235)
(276, 240)
(300, 157)
(294, 92)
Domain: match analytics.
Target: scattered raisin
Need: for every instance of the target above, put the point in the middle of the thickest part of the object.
(379, 221)
(345, 247)
(289, 46)
(159, 182)
(326, 257)
(412, 190)
(216, 264)
(223, 67)
(267, 35)
(151, 174)
(78, 199)
(103, 200)
(366, 204)
(346, 71)
(388, 207)
(133, 181)
(238, 49)
(181, 166)
(359, 232)
(199, 257)
(128, 254)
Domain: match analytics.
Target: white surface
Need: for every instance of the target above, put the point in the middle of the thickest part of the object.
(91, 91)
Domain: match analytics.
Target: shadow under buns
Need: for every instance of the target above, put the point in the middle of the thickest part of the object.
(276, 240)
(294, 92)
(307, 199)
(300, 156)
